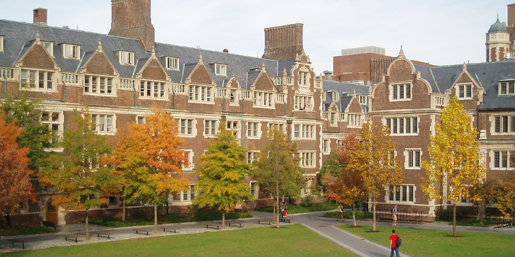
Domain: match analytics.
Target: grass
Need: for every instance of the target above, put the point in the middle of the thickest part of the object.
(24, 230)
(421, 242)
(306, 207)
(293, 240)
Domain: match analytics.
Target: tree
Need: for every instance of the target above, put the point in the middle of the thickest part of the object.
(76, 173)
(15, 186)
(505, 195)
(277, 169)
(222, 172)
(481, 194)
(346, 185)
(150, 161)
(454, 159)
(375, 160)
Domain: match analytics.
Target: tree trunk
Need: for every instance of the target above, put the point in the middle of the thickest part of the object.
(374, 213)
(354, 214)
(87, 224)
(155, 218)
(454, 220)
(223, 219)
(277, 207)
(123, 210)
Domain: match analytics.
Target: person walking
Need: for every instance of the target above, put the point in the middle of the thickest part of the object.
(394, 215)
(340, 213)
(393, 244)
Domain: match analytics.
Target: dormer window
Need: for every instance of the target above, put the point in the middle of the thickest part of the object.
(172, 63)
(507, 88)
(126, 58)
(464, 91)
(335, 96)
(49, 47)
(220, 69)
(71, 51)
(362, 99)
(1, 43)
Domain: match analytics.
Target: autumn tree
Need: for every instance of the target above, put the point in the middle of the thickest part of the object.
(277, 169)
(454, 159)
(482, 193)
(346, 185)
(505, 195)
(375, 160)
(222, 172)
(15, 186)
(76, 173)
(150, 160)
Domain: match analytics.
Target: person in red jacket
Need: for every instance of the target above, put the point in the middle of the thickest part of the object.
(393, 244)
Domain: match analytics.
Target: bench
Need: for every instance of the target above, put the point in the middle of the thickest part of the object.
(104, 233)
(18, 241)
(235, 222)
(212, 225)
(141, 230)
(168, 229)
(76, 237)
(265, 220)
(50, 224)
(285, 219)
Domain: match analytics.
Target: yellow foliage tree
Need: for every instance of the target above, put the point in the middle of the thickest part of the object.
(454, 159)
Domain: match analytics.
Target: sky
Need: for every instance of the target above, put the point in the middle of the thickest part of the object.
(441, 32)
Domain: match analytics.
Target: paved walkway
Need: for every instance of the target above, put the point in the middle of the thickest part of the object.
(314, 221)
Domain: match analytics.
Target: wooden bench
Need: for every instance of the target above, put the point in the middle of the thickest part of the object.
(141, 230)
(168, 229)
(216, 225)
(265, 220)
(235, 222)
(18, 241)
(50, 224)
(104, 233)
(76, 237)
(285, 220)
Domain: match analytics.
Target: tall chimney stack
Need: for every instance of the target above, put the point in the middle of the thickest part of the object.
(40, 15)
(131, 19)
(284, 42)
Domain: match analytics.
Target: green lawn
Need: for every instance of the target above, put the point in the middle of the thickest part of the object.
(288, 241)
(420, 242)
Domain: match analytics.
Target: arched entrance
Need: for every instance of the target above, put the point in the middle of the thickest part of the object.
(51, 212)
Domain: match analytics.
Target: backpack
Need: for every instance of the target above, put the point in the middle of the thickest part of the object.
(398, 242)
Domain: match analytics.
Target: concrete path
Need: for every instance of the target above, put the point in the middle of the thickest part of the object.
(314, 221)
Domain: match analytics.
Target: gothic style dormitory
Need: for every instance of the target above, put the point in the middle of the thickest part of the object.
(121, 75)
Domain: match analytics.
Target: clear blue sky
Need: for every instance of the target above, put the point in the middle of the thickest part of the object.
(440, 32)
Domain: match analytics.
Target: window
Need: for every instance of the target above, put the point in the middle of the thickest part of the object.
(303, 79)
(71, 51)
(210, 127)
(335, 96)
(354, 120)
(185, 195)
(141, 120)
(192, 192)
(220, 69)
(326, 146)
(503, 159)
(189, 165)
(400, 92)
(507, 88)
(172, 63)
(307, 159)
(37, 80)
(234, 96)
(253, 190)
(263, 99)
(253, 129)
(54, 121)
(412, 158)
(399, 126)
(278, 126)
(464, 91)
(362, 99)
(185, 127)
(126, 58)
(303, 103)
(49, 47)
(98, 85)
(104, 124)
(401, 193)
(200, 94)
(332, 118)
(303, 131)
(252, 156)
(324, 95)
(152, 89)
(504, 124)
(234, 126)
(1, 43)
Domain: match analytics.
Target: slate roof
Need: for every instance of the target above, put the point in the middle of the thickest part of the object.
(343, 88)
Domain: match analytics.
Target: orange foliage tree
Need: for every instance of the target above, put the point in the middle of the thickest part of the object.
(150, 160)
(15, 186)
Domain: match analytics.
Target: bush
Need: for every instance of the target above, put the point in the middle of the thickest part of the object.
(306, 207)
(360, 215)
(446, 215)
(24, 230)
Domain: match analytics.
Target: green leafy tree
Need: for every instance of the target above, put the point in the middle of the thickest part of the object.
(77, 172)
(454, 164)
(330, 165)
(150, 160)
(222, 173)
(277, 169)
(482, 193)
(374, 159)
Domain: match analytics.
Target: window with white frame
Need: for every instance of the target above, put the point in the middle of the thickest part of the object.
(303, 78)
(235, 128)
(263, 99)
(37, 80)
(403, 126)
(152, 89)
(354, 120)
(279, 126)
(504, 124)
(98, 85)
(503, 159)
(335, 96)
(464, 91)
(210, 127)
(303, 131)
(189, 165)
(1, 43)
(324, 95)
(54, 121)
(126, 58)
(412, 158)
(186, 127)
(362, 99)
(301, 102)
(400, 92)
(307, 159)
(326, 146)
(253, 129)
(332, 118)
(252, 156)
(141, 119)
(507, 88)
(104, 123)
(49, 47)
(220, 69)
(172, 63)
(71, 51)
(253, 191)
(233, 96)
(200, 94)
(401, 193)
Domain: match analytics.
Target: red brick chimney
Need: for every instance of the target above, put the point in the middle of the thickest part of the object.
(40, 15)
(131, 19)
(284, 42)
